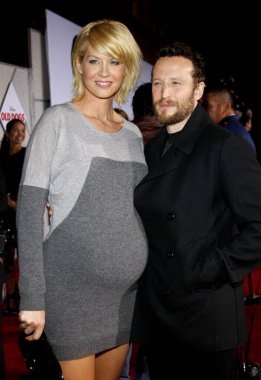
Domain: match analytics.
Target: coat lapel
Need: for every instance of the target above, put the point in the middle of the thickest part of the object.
(184, 145)
(165, 164)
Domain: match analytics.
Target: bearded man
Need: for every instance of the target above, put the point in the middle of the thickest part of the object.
(201, 209)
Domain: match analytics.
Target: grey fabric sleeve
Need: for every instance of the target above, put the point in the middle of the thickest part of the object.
(32, 198)
(31, 205)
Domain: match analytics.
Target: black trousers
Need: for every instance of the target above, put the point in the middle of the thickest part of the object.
(174, 363)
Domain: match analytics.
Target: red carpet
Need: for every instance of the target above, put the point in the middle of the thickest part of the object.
(252, 290)
(14, 364)
(254, 320)
(15, 367)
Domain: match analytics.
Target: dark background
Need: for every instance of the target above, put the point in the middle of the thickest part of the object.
(226, 34)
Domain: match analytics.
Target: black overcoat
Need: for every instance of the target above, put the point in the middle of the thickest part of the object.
(201, 208)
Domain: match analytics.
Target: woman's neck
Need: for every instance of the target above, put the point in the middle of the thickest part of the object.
(14, 148)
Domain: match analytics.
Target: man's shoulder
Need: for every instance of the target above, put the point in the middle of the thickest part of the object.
(233, 125)
(214, 134)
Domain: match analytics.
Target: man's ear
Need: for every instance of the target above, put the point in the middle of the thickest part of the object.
(226, 107)
(199, 90)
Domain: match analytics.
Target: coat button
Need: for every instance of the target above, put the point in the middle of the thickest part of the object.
(170, 216)
(170, 254)
(166, 292)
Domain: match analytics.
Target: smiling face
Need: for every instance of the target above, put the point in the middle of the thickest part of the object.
(102, 75)
(17, 133)
(174, 91)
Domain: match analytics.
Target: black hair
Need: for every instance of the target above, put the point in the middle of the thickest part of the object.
(5, 146)
(181, 49)
(142, 104)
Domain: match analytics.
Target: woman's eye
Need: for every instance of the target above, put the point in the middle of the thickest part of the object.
(93, 61)
(114, 62)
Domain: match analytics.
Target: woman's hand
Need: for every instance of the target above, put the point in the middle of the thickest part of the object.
(33, 323)
(10, 202)
(49, 212)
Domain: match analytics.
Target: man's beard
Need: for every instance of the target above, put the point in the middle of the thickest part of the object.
(183, 111)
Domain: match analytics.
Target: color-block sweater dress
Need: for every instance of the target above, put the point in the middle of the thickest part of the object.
(84, 272)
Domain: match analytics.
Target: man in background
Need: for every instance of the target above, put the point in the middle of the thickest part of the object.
(219, 105)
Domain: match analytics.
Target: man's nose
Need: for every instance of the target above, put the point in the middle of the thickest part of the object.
(165, 91)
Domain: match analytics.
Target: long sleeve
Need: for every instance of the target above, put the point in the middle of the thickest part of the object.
(32, 198)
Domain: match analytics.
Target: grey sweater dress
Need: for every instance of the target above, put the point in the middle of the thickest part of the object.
(84, 272)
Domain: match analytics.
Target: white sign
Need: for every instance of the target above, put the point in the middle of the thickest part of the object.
(60, 34)
(11, 107)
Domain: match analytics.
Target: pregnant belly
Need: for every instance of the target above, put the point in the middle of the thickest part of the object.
(113, 257)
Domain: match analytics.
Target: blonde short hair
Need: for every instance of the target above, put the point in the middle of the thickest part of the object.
(111, 38)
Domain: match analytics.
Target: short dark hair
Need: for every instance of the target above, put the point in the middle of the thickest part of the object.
(142, 104)
(181, 49)
(5, 146)
(11, 123)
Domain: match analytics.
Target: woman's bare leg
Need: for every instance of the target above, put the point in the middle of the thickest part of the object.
(80, 369)
(109, 364)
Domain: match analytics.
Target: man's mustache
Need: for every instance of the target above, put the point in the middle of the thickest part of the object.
(168, 102)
